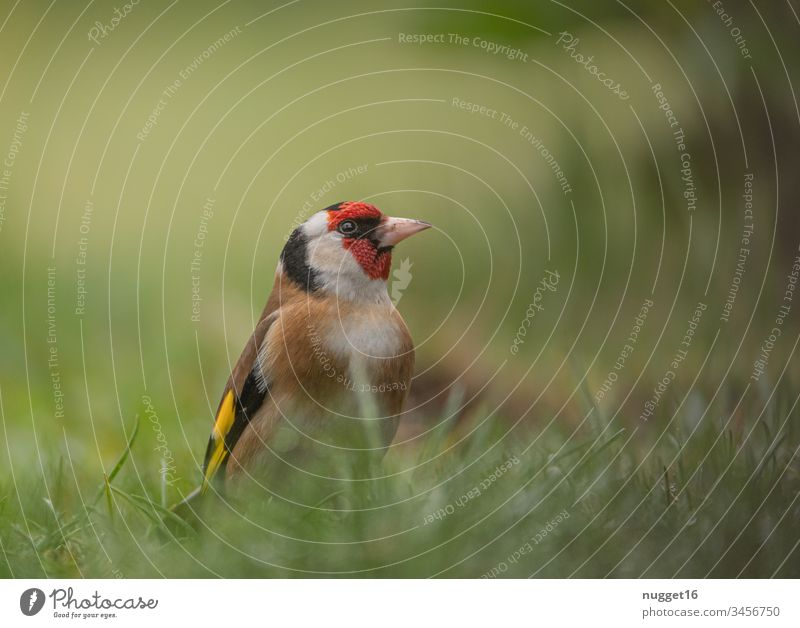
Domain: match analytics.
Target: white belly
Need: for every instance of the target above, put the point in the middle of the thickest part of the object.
(364, 336)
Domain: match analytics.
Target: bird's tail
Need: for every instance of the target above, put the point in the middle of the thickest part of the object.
(187, 510)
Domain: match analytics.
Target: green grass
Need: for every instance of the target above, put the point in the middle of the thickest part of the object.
(709, 500)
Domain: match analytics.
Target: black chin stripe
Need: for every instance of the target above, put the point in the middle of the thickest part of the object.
(295, 263)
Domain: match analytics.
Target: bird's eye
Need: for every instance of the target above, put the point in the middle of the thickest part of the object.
(348, 227)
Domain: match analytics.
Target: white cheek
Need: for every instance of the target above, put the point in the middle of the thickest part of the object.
(327, 255)
(338, 271)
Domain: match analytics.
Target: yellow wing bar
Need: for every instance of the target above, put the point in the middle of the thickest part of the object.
(222, 425)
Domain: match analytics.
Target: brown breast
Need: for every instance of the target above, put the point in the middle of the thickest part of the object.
(330, 364)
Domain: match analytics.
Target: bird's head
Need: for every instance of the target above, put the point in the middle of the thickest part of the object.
(346, 249)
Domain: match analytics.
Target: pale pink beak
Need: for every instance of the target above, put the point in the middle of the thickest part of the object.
(394, 230)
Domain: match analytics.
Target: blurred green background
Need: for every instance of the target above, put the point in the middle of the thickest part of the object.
(203, 130)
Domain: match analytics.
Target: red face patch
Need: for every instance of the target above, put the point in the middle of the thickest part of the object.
(376, 263)
(352, 210)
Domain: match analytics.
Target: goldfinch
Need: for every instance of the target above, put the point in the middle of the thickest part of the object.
(328, 336)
